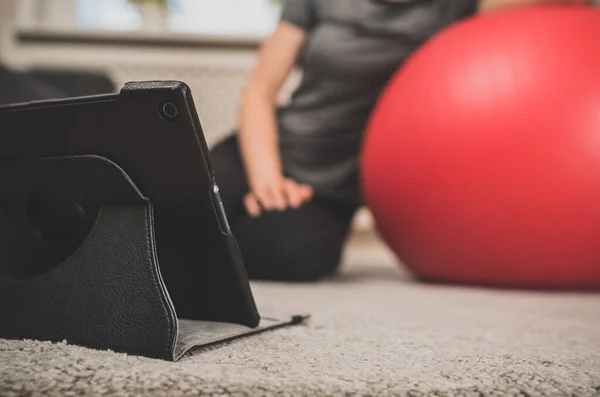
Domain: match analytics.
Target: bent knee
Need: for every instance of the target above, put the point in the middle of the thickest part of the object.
(297, 261)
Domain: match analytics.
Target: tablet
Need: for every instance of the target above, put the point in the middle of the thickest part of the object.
(150, 130)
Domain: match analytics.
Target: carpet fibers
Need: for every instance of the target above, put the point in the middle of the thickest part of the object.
(374, 332)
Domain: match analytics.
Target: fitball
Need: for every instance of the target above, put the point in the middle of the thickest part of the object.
(481, 161)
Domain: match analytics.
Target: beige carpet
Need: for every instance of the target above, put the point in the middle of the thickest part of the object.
(374, 332)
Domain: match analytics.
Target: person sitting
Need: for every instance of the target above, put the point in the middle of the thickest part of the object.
(288, 176)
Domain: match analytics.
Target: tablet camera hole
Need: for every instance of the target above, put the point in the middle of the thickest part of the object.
(168, 111)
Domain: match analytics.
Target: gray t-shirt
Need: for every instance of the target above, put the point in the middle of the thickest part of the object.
(352, 50)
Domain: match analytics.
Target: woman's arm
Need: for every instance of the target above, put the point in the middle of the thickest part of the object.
(257, 128)
(493, 5)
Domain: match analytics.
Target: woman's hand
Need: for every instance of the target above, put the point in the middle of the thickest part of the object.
(276, 195)
(257, 132)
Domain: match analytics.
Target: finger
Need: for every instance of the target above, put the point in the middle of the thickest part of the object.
(251, 204)
(271, 198)
(307, 192)
(264, 199)
(279, 198)
(294, 194)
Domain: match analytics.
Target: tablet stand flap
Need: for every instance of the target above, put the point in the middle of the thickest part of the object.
(194, 335)
(77, 258)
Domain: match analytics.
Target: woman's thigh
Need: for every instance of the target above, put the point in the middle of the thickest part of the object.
(303, 244)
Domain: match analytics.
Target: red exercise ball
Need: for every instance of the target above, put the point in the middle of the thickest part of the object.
(481, 161)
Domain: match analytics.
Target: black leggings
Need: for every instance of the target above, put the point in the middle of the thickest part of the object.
(303, 244)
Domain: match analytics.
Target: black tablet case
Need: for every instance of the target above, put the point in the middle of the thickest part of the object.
(111, 231)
